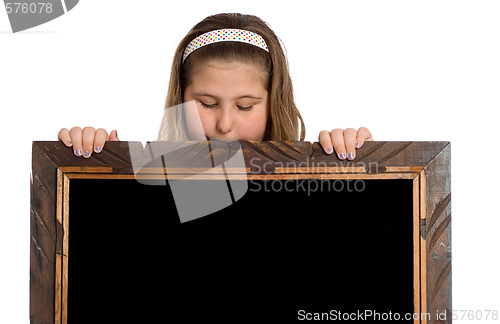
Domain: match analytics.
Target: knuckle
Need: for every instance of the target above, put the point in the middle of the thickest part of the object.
(338, 147)
(89, 129)
(63, 133)
(75, 129)
(323, 133)
(340, 150)
(337, 131)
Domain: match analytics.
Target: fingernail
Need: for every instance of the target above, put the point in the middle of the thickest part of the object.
(329, 150)
(351, 156)
(98, 149)
(78, 152)
(69, 143)
(342, 156)
(358, 145)
(86, 154)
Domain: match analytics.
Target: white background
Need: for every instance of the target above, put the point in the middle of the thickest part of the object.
(407, 70)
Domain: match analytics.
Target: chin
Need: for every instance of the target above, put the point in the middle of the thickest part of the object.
(235, 138)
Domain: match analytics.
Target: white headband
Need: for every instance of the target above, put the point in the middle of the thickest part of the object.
(225, 35)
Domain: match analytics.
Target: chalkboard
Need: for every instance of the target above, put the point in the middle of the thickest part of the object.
(350, 242)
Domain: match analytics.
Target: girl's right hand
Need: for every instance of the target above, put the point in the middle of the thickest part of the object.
(86, 140)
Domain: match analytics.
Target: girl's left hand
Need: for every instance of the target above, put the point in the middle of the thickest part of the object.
(345, 142)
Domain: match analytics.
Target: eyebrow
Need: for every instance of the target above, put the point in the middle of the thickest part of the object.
(199, 94)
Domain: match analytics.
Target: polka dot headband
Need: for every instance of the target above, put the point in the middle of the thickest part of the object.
(225, 35)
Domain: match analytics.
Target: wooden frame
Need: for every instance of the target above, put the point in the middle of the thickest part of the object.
(427, 164)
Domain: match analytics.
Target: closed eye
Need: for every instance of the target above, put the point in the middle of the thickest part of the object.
(215, 105)
(208, 106)
(245, 108)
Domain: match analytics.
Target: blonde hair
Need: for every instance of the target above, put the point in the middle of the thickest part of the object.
(284, 117)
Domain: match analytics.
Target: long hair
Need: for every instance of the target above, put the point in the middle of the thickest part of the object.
(284, 117)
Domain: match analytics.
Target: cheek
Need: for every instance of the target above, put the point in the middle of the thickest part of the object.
(194, 121)
(252, 127)
(207, 120)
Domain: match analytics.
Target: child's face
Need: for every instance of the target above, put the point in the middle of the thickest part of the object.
(231, 99)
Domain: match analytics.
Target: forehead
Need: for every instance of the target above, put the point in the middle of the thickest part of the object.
(228, 75)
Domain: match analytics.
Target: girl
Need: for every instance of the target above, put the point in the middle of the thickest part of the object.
(234, 68)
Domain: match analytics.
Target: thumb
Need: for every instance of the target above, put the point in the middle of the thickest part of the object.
(113, 136)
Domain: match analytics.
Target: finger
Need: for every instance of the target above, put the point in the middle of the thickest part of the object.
(325, 141)
(63, 136)
(350, 142)
(101, 136)
(113, 136)
(88, 137)
(337, 138)
(364, 135)
(76, 138)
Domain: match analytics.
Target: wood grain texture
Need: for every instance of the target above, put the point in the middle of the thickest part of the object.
(373, 157)
(438, 235)
(427, 163)
(44, 236)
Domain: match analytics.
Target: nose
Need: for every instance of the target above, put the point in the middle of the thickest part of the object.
(225, 121)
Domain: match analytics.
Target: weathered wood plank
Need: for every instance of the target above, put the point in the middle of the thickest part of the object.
(41, 283)
(438, 235)
(43, 237)
(43, 225)
(115, 157)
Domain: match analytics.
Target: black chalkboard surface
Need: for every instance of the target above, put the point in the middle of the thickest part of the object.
(277, 256)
